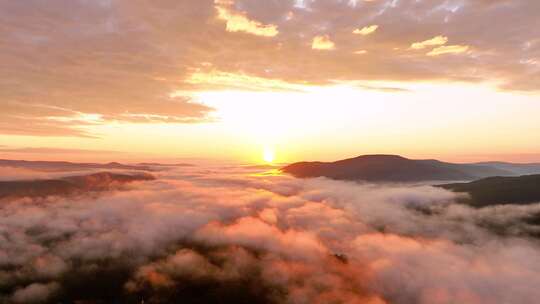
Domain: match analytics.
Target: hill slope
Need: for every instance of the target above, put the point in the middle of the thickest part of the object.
(392, 168)
(500, 190)
(67, 186)
(68, 166)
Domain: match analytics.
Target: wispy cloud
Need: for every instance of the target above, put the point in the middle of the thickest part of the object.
(219, 80)
(438, 40)
(46, 150)
(448, 49)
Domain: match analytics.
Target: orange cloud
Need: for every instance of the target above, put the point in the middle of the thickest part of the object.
(438, 40)
(366, 30)
(448, 49)
(239, 22)
(322, 43)
(124, 67)
(220, 80)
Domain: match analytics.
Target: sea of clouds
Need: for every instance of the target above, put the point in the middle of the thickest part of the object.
(236, 235)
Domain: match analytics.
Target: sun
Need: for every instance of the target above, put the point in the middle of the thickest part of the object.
(269, 154)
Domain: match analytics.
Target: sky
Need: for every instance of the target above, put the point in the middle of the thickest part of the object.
(289, 80)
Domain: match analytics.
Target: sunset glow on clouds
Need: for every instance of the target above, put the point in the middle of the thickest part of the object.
(448, 49)
(439, 46)
(111, 69)
(322, 43)
(269, 151)
(238, 22)
(435, 41)
(366, 30)
(217, 80)
(233, 235)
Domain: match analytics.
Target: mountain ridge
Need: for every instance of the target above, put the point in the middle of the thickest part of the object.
(395, 168)
(66, 186)
(65, 165)
(499, 190)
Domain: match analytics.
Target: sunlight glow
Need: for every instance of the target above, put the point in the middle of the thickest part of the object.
(269, 154)
(299, 119)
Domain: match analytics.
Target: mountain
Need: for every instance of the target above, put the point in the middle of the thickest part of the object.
(393, 168)
(498, 190)
(72, 185)
(518, 169)
(68, 166)
(166, 165)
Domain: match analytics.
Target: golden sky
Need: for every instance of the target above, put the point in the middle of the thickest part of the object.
(239, 80)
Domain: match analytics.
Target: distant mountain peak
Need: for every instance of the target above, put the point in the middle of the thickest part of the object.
(380, 157)
(393, 168)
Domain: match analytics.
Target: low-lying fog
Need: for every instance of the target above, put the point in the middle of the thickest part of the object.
(233, 235)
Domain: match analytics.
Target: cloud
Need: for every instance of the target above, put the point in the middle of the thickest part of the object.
(239, 22)
(216, 80)
(225, 234)
(103, 63)
(46, 150)
(383, 88)
(448, 49)
(35, 293)
(367, 30)
(322, 43)
(438, 40)
(120, 61)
